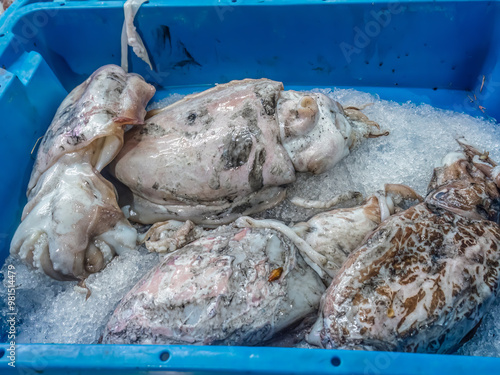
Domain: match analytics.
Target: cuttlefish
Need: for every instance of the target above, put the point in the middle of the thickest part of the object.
(426, 276)
(72, 225)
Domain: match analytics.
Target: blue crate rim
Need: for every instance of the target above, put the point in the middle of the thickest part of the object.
(126, 357)
(230, 359)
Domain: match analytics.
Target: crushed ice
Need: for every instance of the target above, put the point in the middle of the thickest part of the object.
(51, 311)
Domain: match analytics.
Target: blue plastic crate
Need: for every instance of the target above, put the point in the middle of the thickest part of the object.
(444, 53)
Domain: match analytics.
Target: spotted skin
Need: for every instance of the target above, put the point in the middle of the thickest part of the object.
(425, 277)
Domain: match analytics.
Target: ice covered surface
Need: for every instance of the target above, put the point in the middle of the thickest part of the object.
(52, 311)
(420, 136)
(165, 101)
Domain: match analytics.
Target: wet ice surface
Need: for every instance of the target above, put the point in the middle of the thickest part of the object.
(164, 102)
(52, 311)
(420, 136)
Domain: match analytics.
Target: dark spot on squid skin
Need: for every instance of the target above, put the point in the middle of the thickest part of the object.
(250, 115)
(208, 121)
(119, 89)
(247, 112)
(286, 128)
(46, 141)
(269, 105)
(68, 113)
(65, 116)
(155, 186)
(190, 119)
(203, 112)
(114, 77)
(201, 115)
(255, 178)
(153, 130)
(237, 149)
(74, 140)
(293, 113)
(190, 135)
(268, 102)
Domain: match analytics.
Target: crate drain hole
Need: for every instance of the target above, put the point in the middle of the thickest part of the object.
(164, 356)
(336, 361)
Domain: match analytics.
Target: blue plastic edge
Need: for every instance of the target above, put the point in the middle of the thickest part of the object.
(70, 359)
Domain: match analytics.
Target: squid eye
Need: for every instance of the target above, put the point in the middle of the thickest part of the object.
(440, 195)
